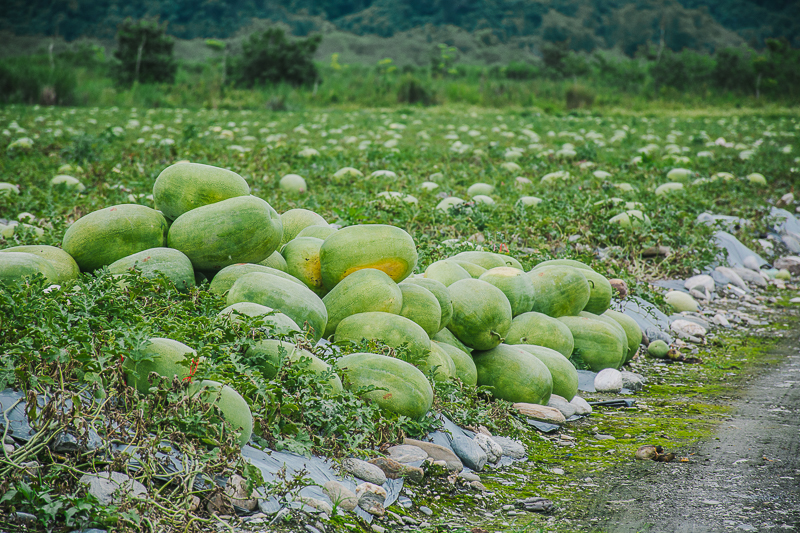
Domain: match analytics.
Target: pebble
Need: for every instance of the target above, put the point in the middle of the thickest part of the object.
(104, 484)
(378, 529)
(688, 330)
(582, 407)
(371, 498)
(790, 263)
(601, 436)
(311, 529)
(469, 476)
(535, 505)
(477, 485)
(395, 470)
(540, 412)
(561, 403)
(492, 450)
(9, 448)
(631, 381)
(511, 448)
(340, 495)
(703, 282)
(608, 380)
(425, 510)
(438, 453)
(270, 505)
(364, 470)
(316, 504)
(720, 320)
(557, 471)
(406, 453)
(471, 455)
(734, 278)
(25, 519)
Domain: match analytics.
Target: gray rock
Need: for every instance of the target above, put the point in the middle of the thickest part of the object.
(790, 263)
(426, 511)
(378, 529)
(608, 380)
(311, 529)
(791, 242)
(631, 381)
(493, 450)
(270, 505)
(471, 455)
(720, 278)
(406, 453)
(395, 470)
(534, 505)
(469, 476)
(702, 282)
(582, 407)
(371, 498)
(511, 448)
(315, 504)
(655, 334)
(112, 487)
(340, 495)
(691, 318)
(438, 453)
(68, 443)
(364, 470)
(751, 276)
(720, 320)
(733, 276)
(688, 330)
(561, 403)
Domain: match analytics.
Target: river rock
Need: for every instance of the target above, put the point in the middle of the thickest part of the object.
(364, 470)
(438, 453)
(112, 487)
(395, 470)
(561, 403)
(631, 381)
(340, 495)
(371, 498)
(735, 278)
(688, 330)
(582, 407)
(751, 276)
(511, 448)
(406, 453)
(720, 320)
(471, 455)
(608, 380)
(540, 412)
(790, 263)
(791, 242)
(702, 282)
(492, 450)
(534, 504)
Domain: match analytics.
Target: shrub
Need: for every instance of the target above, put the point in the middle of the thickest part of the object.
(270, 57)
(579, 96)
(144, 53)
(32, 80)
(521, 71)
(413, 91)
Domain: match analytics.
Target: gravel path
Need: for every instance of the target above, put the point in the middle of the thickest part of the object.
(747, 478)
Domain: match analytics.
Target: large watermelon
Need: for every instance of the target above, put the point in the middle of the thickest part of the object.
(564, 262)
(225, 278)
(275, 261)
(515, 284)
(462, 361)
(317, 230)
(14, 265)
(392, 330)
(439, 359)
(171, 263)
(541, 330)
(446, 272)
(487, 260)
(560, 290)
(296, 220)
(400, 387)
(439, 290)
(268, 354)
(599, 292)
(239, 230)
(481, 313)
(614, 324)
(632, 331)
(294, 300)
(302, 261)
(421, 306)
(473, 269)
(564, 373)
(166, 357)
(234, 408)
(278, 322)
(514, 374)
(363, 291)
(377, 246)
(446, 336)
(597, 343)
(185, 186)
(101, 237)
(64, 265)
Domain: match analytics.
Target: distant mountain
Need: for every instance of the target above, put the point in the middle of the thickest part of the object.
(584, 24)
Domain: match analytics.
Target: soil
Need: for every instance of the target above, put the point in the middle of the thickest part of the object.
(746, 478)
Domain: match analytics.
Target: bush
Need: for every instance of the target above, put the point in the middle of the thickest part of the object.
(521, 71)
(270, 57)
(579, 96)
(32, 80)
(144, 53)
(413, 91)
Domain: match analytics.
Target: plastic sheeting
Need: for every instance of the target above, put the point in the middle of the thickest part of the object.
(736, 250)
(653, 322)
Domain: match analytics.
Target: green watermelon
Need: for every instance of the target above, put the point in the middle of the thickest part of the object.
(632, 331)
(317, 230)
(400, 387)
(392, 330)
(167, 358)
(446, 272)
(280, 323)
(270, 351)
(185, 186)
(172, 263)
(234, 408)
(225, 278)
(560, 290)
(510, 261)
(14, 265)
(296, 220)
(445, 336)
(65, 267)
(275, 261)
(514, 375)
(439, 290)
(564, 262)
(102, 237)
(363, 291)
(598, 343)
(541, 330)
(599, 292)
(439, 359)
(515, 284)
(464, 365)
(614, 324)
(302, 261)
(481, 313)
(421, 306)
(565, 375)
(474, 270)
(486, 260)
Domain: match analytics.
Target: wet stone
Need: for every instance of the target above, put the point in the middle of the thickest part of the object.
(405, 453)
(364, 470)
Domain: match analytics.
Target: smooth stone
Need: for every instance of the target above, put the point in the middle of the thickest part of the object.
(318, 505)
(703, 281)
(425, 510)
(311, 529)
(270, 505)
(790, 263)
(691, 318)
(720, 320)
(340, 495)
(631, 381)
(540, 412)
(471, 455)
(751, 277)
(406, 453)
(752, 263)
(735, 278)
(582, 407)
(688, 330)
(561, 403)
(608, 380)
(378, 529)
(511, 448)
(104, 484)
(438, 453)
(371, 498)
(477, 485)
(469, 476)
(534, 504)
(395, 470)
(26, 519)
(364, 470)
(493, 450)
(236, 490)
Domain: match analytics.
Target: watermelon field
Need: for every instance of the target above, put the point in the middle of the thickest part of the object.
(406, 319)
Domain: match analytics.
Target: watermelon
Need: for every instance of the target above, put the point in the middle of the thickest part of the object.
(514, 374)
(632, 331)
(400, 387)
(14, 265)
(481, 313)
(441, 293)
(541, 330)
(446, 336)
(564, 374)
(564, 262)
(167, 358)
(302, 261)
(239, 230)
(614, 324)
(560, 290)
(487, 260)
(172, 263)
(515, 284)
(392, 330)
(658, 349)
(597, 343)
(294, 300)
(363, 291)
(317, 230)
(446, 272)
(599, 292)
(275, 261)
(233, 407)
(377, 246)
(421, 306)
(462, 361)
(474, 270)
(269, 352)
(510, 261)
(64, 265)
(280, 323)
(295, 220)
(101, 237)
(225, 278)
(185, 186)
(439, 359)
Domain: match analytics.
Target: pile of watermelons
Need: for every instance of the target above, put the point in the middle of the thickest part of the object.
(477, 316)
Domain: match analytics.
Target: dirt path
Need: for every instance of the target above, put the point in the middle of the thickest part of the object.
(747, 478)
